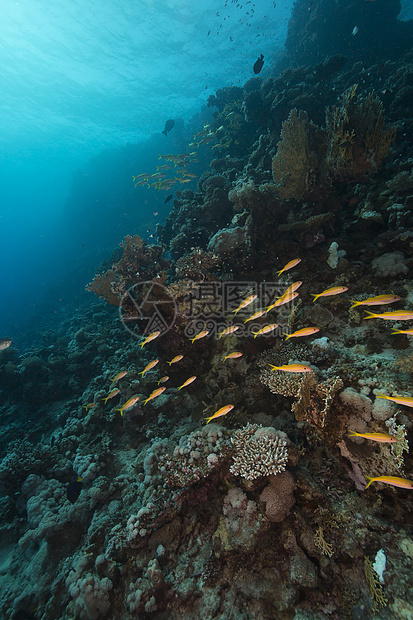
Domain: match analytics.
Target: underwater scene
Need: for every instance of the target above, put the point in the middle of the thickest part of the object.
(206, 315)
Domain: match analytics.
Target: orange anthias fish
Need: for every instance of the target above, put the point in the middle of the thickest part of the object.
(246, 303)
(187, 382)
(292, 368)
(233, 356)
(376, 301)
(400, 400)
(403, 483)
(229, 330)
(256, 315)
(336, 290)
(112, 394)
(177, 358)
(380, 437)
(220, 412)
(397, 315)
(120, 375)
(266, 329)
(200, 335)
(129, 403)
(154, 394)
(289, 265)
(305, 331)
(149, 367)
(151, 337)
(284, 299)
(408, 332)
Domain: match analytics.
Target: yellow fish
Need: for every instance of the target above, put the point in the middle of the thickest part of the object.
(229, 330)
(409, 332)
(129, 403)
(403, 483)
(151, 337)
(163, 379)
(177, 358)
(149, 367)
(400, 400)
(380, 437)
(284, 299)
(112, 394)
(266, 329)
(120, 375)
(256, 315)
(89, 406)
(336, 290)
(233, 356)
(397, 315)
(220, 412)
(292, 368)
(306, 331)
(289, 265)
(200, 335)
(187, 382)
(292, 288)
(376, 301)
(246, 303)
(154, 394)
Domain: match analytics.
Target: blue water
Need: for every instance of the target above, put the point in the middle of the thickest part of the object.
(77, 78)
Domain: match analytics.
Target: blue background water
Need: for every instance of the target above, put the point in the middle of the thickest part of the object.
(80, 78)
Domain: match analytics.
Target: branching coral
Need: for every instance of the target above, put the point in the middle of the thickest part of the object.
(256, 453)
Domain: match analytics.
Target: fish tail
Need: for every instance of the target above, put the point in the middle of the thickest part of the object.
(142, 345)
(397, 331)
(165, 133)
(371, 315)
(352, 434)
(105, 400)
(315, 296)
(170, 363)
(121, 410)
(279, 272)
(355, 303)
(180, 387)
(141, 373)
(288, 336)
(369, 483)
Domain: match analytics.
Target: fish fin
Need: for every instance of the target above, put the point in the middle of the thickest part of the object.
(369, 483)
(371, 315)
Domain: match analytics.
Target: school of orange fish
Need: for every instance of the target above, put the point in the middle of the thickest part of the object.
(288, 295)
